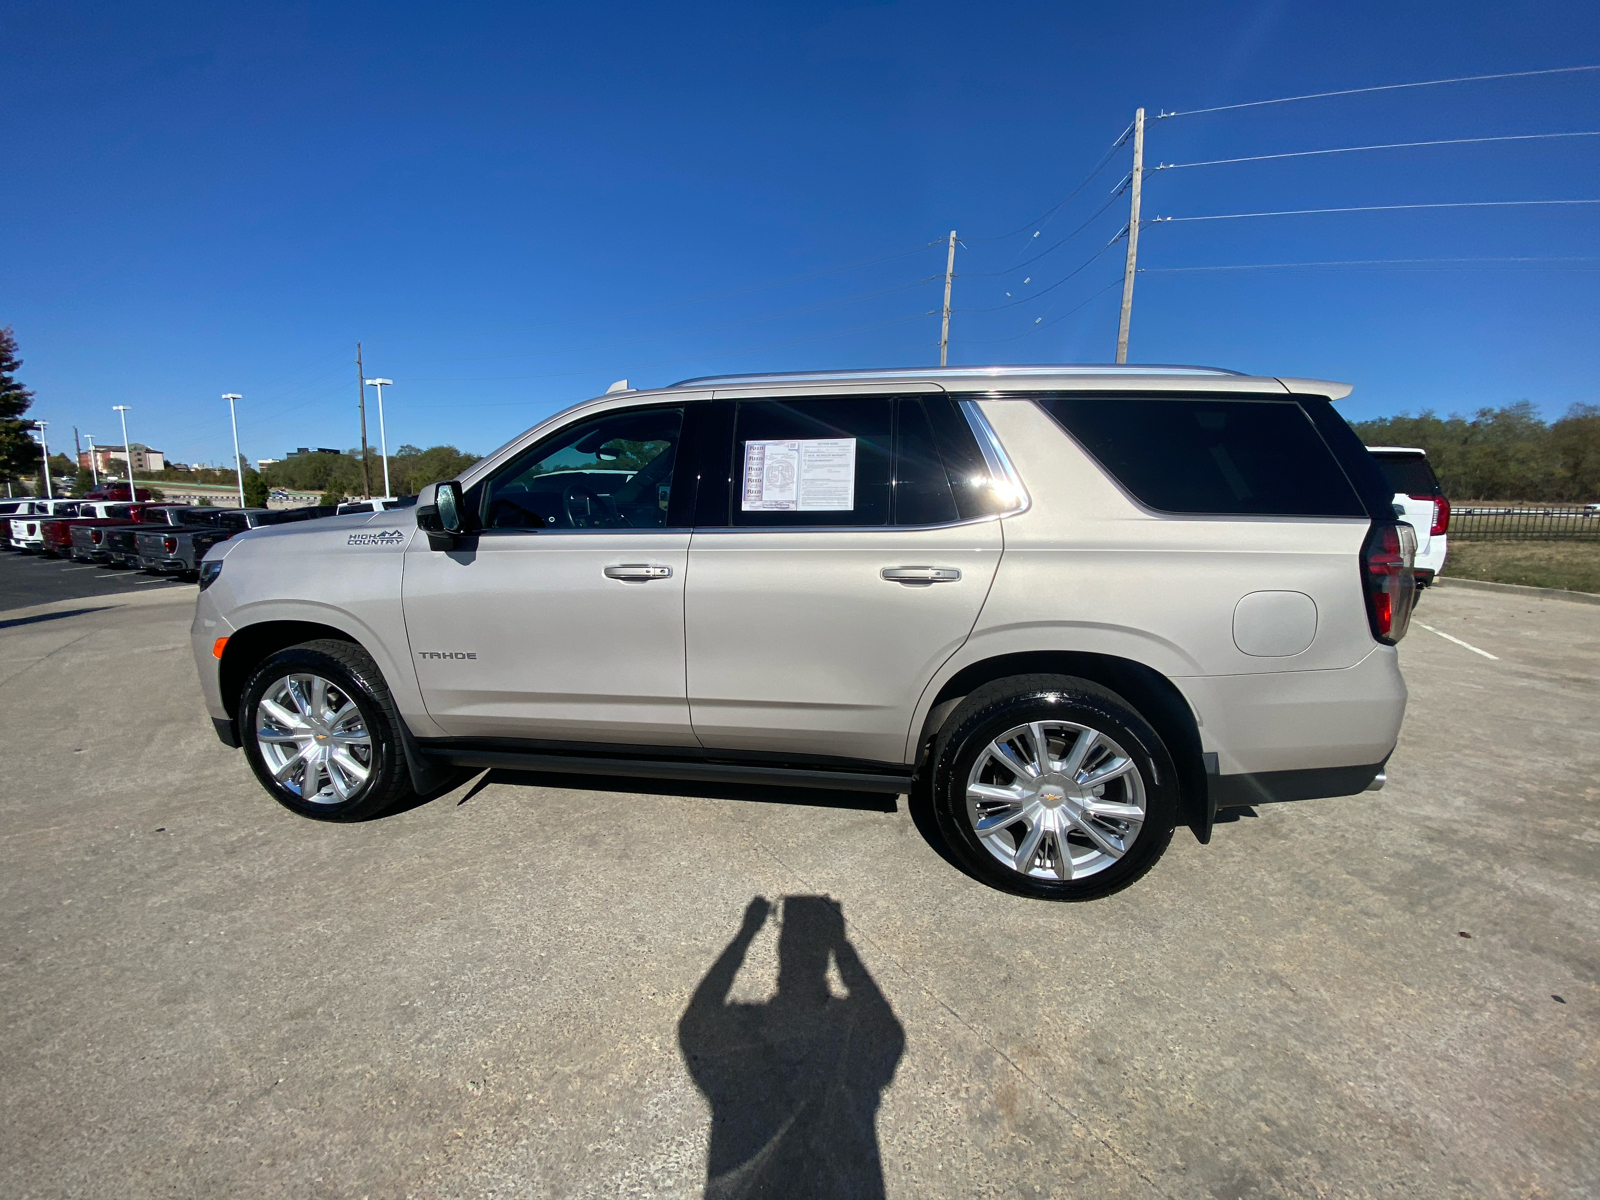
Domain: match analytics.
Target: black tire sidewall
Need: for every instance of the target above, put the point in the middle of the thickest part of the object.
(388, 760)
(989, 713)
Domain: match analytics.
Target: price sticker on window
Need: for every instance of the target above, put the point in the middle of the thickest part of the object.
(810, 475)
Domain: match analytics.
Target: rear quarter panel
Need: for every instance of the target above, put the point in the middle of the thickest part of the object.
(1088, 569)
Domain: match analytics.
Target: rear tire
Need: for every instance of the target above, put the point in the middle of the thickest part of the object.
(322, 733)
(1081, 817)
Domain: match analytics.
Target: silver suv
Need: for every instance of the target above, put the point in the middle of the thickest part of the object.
(1065, 609)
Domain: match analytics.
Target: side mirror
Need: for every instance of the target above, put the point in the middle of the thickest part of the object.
(441, 514)
(450, 505)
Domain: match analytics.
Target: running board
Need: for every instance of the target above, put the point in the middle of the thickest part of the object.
(704, 772)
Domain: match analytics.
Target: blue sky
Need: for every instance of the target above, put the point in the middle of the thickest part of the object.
(513, 205)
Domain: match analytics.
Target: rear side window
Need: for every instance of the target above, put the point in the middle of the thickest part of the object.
(1222, 457)
(1410, 474)
(855, 461)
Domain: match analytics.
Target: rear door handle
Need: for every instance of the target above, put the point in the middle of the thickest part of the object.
(920, 576)
(638, 572)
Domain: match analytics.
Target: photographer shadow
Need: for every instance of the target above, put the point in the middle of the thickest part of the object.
(794, 1083)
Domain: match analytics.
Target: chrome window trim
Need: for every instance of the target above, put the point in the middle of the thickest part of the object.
(995, 457)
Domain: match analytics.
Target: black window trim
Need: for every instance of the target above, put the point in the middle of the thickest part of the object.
(718, 498)
(1155, 394)
(681, 472)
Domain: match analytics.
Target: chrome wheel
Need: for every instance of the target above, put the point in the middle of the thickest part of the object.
(1055, 800)
(314, 739)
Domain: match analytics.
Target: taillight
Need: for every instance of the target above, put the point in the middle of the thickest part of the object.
(94, 536)
(1386, 563)
(1441, 514)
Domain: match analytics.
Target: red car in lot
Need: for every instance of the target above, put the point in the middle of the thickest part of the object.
(56, 532)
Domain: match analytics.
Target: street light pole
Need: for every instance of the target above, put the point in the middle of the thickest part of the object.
(238, 463)
(127, 448)
(49, 493)
(383, 437)
(94, 471)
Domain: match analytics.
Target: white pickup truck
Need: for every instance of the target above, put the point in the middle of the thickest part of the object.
(24, 533)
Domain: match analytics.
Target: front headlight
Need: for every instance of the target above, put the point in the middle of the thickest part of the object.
(209, 570)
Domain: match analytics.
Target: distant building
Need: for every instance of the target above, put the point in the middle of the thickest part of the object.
(145, 460)
(266, 462)
(309, 450)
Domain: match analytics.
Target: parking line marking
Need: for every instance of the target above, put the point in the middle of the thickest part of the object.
(1459, 642)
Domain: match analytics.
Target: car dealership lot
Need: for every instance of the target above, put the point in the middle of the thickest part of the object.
(204, 995)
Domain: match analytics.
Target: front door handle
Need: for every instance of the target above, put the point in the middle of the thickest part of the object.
(638, 572)
(920, 576)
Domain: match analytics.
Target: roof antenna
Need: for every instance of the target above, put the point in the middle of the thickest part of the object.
(620, 385)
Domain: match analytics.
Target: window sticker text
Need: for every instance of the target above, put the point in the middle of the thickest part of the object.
(810, 475)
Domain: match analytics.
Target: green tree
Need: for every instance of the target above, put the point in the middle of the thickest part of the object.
(334, 495)
(255, 489)
(1576, 441)
(19, 453)
(82, 482)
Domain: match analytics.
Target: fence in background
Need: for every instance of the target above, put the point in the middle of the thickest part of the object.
(1525, 522)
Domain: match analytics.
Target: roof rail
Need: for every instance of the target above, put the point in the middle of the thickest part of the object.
(954, 372)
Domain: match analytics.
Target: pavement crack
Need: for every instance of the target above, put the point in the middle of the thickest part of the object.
(45, 658)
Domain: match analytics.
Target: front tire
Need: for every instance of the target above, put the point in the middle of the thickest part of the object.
(1053, 787)
(322, 733)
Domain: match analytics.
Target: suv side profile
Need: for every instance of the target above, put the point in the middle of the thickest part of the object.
(1069, 608)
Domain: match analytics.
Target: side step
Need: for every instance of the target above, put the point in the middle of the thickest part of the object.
(704, 772)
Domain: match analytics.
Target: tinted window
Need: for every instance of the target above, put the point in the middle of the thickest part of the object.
(609, 472)
(812, 462)
(1246, 457)
(922, 494)
(1409, 473)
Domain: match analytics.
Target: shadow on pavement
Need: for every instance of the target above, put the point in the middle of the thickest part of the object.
(794, 1083)
(55, 616)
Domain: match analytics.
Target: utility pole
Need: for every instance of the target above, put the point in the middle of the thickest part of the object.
(361, 387)
(238, 462)
(127, 448)
(49, 493)
(949, 274)
(1133, 238)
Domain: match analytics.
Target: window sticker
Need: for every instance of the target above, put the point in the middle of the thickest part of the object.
(814, 475)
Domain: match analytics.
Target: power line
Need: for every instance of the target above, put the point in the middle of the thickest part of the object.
(1299, 212)
(1053, 286)
(1053, 209)
(1011, 270)
(1375, 262)
(1513, 137)
(1042, 325)
(1388, 87)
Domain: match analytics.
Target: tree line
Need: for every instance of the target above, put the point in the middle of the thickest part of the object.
(1507, 453)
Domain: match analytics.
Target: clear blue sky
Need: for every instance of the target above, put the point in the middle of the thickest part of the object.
(513, 205)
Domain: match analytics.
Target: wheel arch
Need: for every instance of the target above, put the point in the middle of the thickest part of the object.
(249, 646)
(1150, 692)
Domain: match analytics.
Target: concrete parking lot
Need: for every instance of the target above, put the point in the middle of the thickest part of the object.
(518, 988)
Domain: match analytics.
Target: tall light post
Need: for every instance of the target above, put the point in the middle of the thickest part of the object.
(127, 448)
(49, 493)
(238, 463)
(94, 471)
(383, 438)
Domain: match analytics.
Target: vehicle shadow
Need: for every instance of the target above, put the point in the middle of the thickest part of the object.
(813, 797)
(794, 1083)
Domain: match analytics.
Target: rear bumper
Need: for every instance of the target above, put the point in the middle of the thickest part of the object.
(1277, 787)
(1293, 721)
